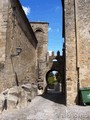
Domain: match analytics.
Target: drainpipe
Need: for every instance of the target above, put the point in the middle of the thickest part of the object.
(77, 48)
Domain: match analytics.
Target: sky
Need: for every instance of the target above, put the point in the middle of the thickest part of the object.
(47, 11)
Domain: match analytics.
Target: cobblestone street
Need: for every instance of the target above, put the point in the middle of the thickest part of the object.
(48, 107)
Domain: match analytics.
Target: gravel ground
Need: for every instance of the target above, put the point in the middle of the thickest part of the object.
(48, 107)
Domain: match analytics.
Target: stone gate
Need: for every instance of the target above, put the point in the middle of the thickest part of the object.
(45, 62)
(56, 63)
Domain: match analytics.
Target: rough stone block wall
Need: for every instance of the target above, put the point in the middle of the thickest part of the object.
(3, 28)
(70, 46)
(83, 17)
(19, 69)
(41, 31)
(77, 44)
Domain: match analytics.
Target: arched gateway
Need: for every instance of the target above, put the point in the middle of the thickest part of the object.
(46, 62)
(55, 65)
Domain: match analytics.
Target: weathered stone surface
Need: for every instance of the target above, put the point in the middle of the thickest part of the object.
(27, 87)
(18, 69)
(41, 31)
(77, 45)
(17, 97)
(3, 28)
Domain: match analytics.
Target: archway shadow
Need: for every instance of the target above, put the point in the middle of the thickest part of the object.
(55, 97)
(54, 94)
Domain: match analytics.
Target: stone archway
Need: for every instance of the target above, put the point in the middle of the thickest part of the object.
(56, 63)
(54, 80)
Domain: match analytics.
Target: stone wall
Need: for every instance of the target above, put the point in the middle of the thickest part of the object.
(70, 46)
(19, 69)
(83, 30)
(55, 62)
(41, 31)
(3, 27)
(77, 46)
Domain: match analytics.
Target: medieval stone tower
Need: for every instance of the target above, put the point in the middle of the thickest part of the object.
(77, 46)
(41, 31)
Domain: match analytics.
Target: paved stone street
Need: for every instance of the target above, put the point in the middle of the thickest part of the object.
(48, 107)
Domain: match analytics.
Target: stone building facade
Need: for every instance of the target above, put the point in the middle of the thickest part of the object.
(77, 47)
(23, 55)
(18, 56)
(41, 31)
(16, 33)
(45, 62)
(56, 63)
